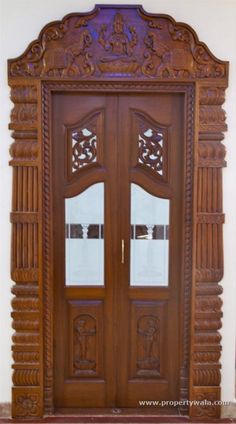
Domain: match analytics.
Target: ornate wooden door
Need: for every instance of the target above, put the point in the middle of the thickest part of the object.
(125, 108)
(118, 169)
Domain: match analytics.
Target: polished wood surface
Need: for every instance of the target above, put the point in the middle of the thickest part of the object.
(117, 381)
(113, 51)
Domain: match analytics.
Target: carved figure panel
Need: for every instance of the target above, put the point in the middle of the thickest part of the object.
(85, 339)
(84, 345)
(148, 345)
(119, 42)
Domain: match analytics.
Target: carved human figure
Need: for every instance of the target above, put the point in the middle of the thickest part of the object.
(150, 334)
(118, 43)
(82, 333)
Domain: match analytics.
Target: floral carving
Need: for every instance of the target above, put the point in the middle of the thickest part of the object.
(206, 405)
(27, 405)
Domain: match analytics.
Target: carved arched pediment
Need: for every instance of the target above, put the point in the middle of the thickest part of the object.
(115, 42)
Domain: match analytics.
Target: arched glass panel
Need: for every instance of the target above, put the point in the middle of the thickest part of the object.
(149, 239)
(84, 237)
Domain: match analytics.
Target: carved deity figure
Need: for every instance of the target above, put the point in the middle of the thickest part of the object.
(82, 335)
(150, 335)
(118, 44)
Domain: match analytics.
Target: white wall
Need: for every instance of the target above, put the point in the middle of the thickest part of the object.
(214, 22)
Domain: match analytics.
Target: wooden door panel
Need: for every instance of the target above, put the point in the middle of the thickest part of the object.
(84, 321)
(114, 345)
(162, 113)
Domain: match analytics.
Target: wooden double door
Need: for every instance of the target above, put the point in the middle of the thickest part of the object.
(117, 230)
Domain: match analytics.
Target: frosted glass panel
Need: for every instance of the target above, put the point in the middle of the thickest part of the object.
(149, 239)
(84, 237)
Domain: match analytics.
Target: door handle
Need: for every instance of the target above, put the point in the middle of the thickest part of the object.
(122, 251)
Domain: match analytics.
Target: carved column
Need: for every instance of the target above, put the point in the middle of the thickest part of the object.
(27, 398)
(209, 255)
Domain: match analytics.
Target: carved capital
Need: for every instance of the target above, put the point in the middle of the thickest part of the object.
(210, 218)
(209, 274)
(24, 274)
(27, 377)
(212, 118)
(24, 217)
(208, 376)
(212, 95)
(211, 154)
(24, 94)
(24, 150)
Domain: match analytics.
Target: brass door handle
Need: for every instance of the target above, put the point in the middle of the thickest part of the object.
(122, 251)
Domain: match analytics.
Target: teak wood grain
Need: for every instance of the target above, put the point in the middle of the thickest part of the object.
(120, 57)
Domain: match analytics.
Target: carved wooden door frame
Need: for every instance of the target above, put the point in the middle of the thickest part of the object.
(114, 49)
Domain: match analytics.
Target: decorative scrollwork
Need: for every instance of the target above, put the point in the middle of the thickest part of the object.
(84, 147)
(151, 145)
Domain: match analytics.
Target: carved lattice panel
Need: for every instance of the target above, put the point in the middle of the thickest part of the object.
(152, 145)
(84, 143)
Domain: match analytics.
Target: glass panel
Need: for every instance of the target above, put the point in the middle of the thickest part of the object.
(149, 239)
(84, 237)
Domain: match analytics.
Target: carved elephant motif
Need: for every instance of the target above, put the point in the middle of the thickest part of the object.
(159, 58)
(56, 61)
(62, 60)
(179, 60)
